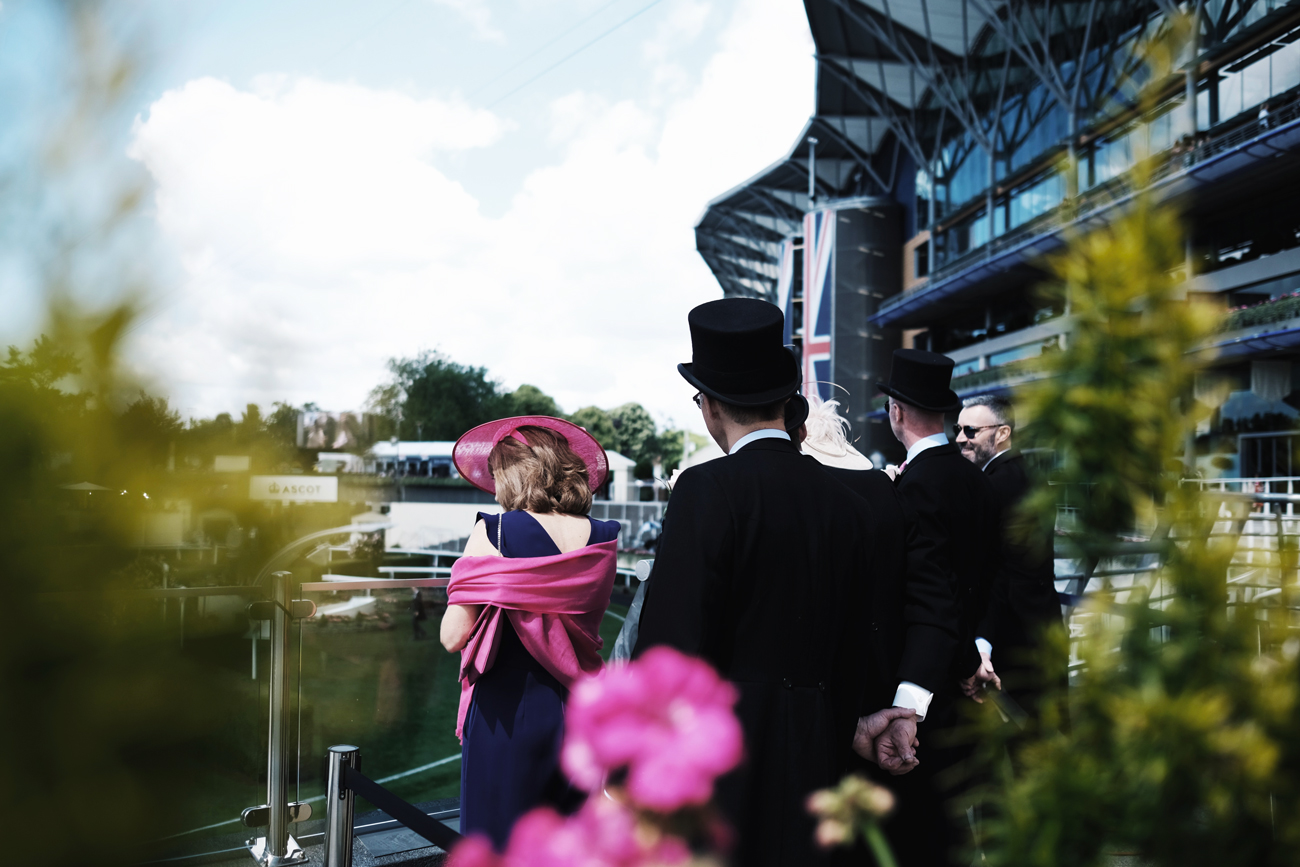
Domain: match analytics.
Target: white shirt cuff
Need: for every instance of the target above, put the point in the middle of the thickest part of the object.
(910, 695)
(983, 646)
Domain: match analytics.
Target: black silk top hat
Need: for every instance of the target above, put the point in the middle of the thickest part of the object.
(923, 380)
(737, 355)
(796, 413)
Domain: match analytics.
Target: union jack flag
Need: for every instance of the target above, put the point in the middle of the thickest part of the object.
(818, 300)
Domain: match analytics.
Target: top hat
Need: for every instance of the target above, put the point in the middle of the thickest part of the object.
(471, 452)
(737, 355)
(923, 380)
(796, 413)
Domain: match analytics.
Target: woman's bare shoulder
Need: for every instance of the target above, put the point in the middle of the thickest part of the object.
(479, 545)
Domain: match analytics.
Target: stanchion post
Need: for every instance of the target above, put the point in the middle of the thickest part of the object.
(277, 848)
(338, 806)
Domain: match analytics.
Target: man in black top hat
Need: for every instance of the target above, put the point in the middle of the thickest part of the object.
(956, 508)
(764, 570)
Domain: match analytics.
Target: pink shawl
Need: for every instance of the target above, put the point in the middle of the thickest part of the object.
(554, 603)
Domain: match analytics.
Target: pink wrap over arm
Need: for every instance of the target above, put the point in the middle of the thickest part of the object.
(555, 605)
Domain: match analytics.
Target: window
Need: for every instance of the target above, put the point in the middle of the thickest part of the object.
(1019, 353)
(1036, 199)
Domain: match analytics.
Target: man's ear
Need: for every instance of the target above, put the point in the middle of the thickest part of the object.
(1002, 435)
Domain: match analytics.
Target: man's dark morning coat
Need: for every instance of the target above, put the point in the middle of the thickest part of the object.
(1024, 600)
(930, 618)
(765, 570)
(957, 510)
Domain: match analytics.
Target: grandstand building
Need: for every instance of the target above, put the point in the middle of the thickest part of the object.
(917, 204)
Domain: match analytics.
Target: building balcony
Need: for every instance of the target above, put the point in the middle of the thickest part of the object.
(1238, 151)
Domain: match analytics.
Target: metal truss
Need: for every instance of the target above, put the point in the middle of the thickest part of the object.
(926, 85)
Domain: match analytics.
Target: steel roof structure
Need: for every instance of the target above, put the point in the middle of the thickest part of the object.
(914, 88)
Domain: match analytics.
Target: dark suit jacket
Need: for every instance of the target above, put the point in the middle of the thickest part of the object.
(1024, 588)
(957, 510)
(930, 621)
(765, 570)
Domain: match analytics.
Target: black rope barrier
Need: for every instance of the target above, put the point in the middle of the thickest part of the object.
(412, 817)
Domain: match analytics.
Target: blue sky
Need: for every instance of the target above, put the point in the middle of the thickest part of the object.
(333, 184)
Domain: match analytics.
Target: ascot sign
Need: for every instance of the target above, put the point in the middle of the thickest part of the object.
(294, 489)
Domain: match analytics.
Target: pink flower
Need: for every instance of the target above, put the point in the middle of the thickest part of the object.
(667, 718)
(601, 834)
(474, 851)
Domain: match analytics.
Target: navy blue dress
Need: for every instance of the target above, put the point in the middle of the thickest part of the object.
(510, 756)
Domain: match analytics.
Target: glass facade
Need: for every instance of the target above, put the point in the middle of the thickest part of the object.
(1033, 124)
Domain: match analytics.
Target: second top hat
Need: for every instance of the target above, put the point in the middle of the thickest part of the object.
(923, 380)
(737, 355)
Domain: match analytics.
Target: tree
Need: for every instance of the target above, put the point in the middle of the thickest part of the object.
(440, 399)
(672, 447)
(531, 400)
(251, 427)
(282, 425)
(1184, 733)
(36, 375)
(150, 428)
(597, 423)
(635, 434)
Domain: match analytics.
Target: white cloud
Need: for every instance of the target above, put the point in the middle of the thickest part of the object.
(321, 234)
(477, 15)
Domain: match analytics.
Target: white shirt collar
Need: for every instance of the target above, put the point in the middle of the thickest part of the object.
(994, 458)
(766, 433)
(939, 439)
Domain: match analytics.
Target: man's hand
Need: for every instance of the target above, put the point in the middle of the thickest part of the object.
(896, 747)
(891, 470)
(982, 677)
(872, 727)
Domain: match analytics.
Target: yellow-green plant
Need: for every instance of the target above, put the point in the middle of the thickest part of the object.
(94, 699)
(1183, 738)
(851, 811)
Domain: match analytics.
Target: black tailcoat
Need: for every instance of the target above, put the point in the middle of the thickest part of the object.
(930, 622)
(765, 571)
(1024, 600)
(957, 510)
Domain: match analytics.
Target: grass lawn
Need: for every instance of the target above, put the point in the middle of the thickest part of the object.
(368, 684)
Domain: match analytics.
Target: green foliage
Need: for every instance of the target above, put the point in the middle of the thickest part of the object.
(270, 442)
(1182, 747)
(282, 425)
(434, 398)
(598, 424)
(1108, 404)
(672, 447)
(531, 400)
(1183, 742)
(634, 433)
(1264, 313)
(150, 428)
(94, 695)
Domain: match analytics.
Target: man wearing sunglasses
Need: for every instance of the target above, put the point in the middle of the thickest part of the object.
(1024, 601)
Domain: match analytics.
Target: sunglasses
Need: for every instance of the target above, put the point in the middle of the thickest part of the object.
(699, 399)
(959, 429)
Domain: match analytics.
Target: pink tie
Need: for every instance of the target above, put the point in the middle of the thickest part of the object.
(902, 467)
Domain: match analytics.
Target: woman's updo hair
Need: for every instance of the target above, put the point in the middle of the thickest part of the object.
(542, 475)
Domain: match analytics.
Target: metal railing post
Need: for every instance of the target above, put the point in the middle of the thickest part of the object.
(277, 848)
(338, 807)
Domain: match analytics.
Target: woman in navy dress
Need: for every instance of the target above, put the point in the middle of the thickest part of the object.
(515, 724)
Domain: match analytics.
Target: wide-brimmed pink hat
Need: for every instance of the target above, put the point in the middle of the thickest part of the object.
(471, 451)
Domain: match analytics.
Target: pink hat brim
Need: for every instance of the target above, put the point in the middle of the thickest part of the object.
(471, 451)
